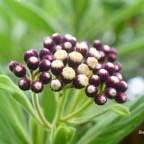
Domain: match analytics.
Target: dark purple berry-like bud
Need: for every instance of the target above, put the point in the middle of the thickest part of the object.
(121, 97)
(118, 67)
(32, 63)
(24, 84)
(113, 50)
(44, 65)
(91, 62)
(12, 65)
(110, 92)
(67, 75)
(75, 58)
(122, 86)
(57, 67)
(103, 74)
(19, 71)
(112, 57)
(29, 54)
(91, 91)
(37, 86)
(48, 43)
(44, 52)
(103, 56)
(105, 49)
(100, 99)
(94, 80)
(109, 67)
(56, 85)
(82, 48)
(56, 38)
(97, 44)
(48, 57)
(97, 68)
(45, 77)
(112, 81)
(80, 81)
(56, 48)
(93, 53)
(67, 46)
(118, 75)
(69, 38)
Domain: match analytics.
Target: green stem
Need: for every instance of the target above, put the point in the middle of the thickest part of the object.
(37, 108)
(78, 111)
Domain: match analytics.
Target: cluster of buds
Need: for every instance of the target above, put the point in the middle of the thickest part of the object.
(63, 62)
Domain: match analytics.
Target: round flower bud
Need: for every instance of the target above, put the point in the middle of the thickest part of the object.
(118, 75)
(69, 38)
(91, 91)
(122, 86)
(57, 67)
(100, 99)
(117, 67)
(61, 55)
(103, 74)
(80, 81)
(103, 56)
(32, 63)
(37, 86)
(94, 80)
(91, 62)
(48, 57)
(56, 85)
(44, 52)
(44, 65)
(24, 84)
(19, 71)
(67, 46)
(112, 81)
(113, 50)
(48, 43)
(82, 48)
(121, 97)
(83, 69)
(29, 54)
(93, 53)
(97, 44)
(109, 67)
(56, 47)
(97, 68)
(75, 58)
(105, 49)
(112, 57)
(45, 77)
(68, 74)
(110, 92)
(12, 65)
(56, 37)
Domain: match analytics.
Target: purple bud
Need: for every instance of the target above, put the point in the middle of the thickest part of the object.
(91, 62)
(113, 50)
(57, 67)
(37, 86)
(29, 54)
(112, 81)
(91, 91)
(122, 86)
(112, 57)
(93, 53)
(56, 48)
(94, 80)
(44, 52)
(12, 65)
(56, 38)
(118, 67)
(48, 57)
(100, 99)
(103, 56)
(24, 84)
(105, 49)
(121, 97)
(97, 44)
(97, 68)
(82, 48)
(67, 46)
(103, 74)
(69, 38)
(32, 63)
(80, 81)
(45, 77)
(56, 85)
(109, 67)
(118, 75)
(19, 71)
(48, 43)
(110, 92)
(44, 65)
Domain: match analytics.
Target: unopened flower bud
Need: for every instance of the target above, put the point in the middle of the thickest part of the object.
(56, 85)
(56, 48)
(91, 91)
(94, 80)
(24, 84)
(82, 48)
(32, 63)
(113, 50)
(118, 75)
(93, 53)
(103, 74)
(100, 99)
(117, 67)
(110, 92)
(29, 54)
(37, 86)
(97, 44)
(83, 69)
(105, 49)
(69, 38)
(56, 38)
(44, 52)
(112, 81)
(67, 46)
(12, 65)
(44, 65)
(109, 67)
(97, 68)
(103, 56)
(45, 77)
(122, 86)
(121, 97)
(91, 62)
(48, 43)
(48, 57)
(112, 57)
(19, 71)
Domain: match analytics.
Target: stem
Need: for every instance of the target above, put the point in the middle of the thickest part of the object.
(78, 111)
(37, 108)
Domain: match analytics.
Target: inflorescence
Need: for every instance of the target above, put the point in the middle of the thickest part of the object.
(64, 63)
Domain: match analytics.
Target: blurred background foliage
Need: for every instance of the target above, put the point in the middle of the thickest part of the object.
(119, 23)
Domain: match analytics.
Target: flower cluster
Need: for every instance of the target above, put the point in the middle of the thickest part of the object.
(64, 62)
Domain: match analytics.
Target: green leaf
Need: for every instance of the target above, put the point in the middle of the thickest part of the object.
(63, 134)
(7, 85)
